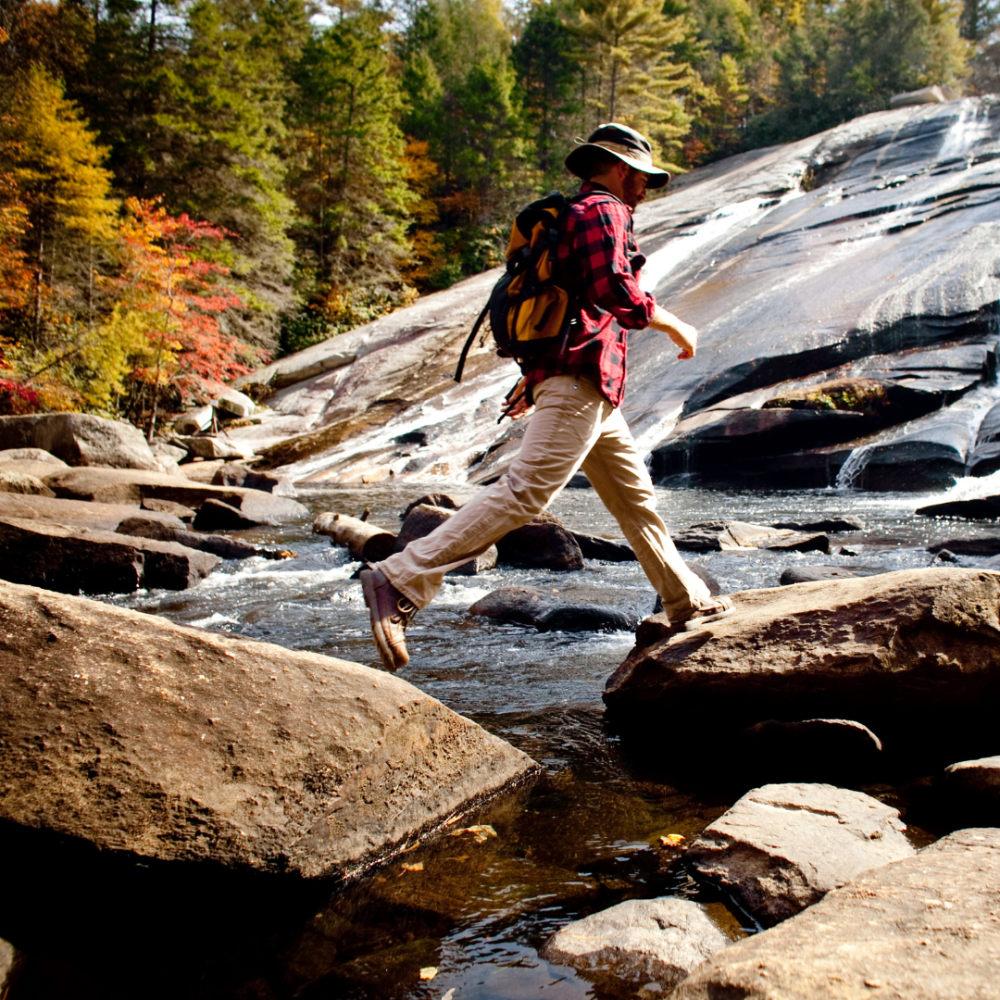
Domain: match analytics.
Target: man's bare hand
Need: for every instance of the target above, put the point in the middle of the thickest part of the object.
(682, 334)
(520, 407)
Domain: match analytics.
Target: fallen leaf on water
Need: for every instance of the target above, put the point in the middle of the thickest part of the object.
(480, 833)
(449, 994)
(671, 840)
(418, 867)
(429, 972)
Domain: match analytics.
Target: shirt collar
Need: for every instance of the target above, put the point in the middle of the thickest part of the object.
(587, 186)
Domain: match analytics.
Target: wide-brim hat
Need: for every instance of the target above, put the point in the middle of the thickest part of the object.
(626, 144)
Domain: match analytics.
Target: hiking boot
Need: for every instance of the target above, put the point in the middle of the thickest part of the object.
(390, 613)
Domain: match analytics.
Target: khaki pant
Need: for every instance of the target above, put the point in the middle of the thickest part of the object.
(574, 427)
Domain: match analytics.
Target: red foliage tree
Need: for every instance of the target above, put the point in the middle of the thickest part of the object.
(173, 285)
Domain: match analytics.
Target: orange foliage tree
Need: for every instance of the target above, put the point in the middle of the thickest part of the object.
(172, 296)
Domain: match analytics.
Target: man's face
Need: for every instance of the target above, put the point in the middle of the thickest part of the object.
(634, 187)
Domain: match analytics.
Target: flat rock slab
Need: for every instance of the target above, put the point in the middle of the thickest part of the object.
(879, 647)
(721, 536)
(101, 516)
(830, 525)
(80, 439)
(74, 560)
(122, 486)
(926, 926)
(638, 941)
(174, 743)
(781, 848)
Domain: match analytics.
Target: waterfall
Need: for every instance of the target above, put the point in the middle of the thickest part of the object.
(850, 473)
(972, 125)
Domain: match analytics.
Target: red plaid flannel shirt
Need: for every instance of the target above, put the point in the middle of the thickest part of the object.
(598, 253)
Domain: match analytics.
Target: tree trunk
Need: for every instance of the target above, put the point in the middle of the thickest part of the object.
(363, 541)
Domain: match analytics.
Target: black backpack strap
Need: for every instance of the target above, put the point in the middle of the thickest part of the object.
(469, 342)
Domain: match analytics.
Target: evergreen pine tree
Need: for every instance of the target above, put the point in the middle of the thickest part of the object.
(347, 176)
(628, 47)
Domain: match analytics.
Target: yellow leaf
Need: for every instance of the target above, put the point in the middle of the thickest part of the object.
(671, 840)
(481, 833)
(429, 972)
(418, 867)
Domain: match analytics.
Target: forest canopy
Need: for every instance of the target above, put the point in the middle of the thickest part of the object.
(187, 186)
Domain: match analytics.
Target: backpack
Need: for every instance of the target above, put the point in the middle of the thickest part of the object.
(529, 313)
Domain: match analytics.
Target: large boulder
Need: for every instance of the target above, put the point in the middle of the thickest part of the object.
(168, 742)
(80, 439)
(71, 559)
(119, 486)
(781, 848)
(922, 927)
(638, 942)
(903, 648)
(211, 447)
(543, 543)
(237, 474)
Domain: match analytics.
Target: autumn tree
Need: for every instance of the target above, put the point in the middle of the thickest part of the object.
(165, 335)
(65, 190)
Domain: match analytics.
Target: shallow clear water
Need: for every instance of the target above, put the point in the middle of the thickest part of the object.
(582, 837)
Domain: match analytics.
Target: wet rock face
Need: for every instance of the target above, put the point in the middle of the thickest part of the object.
(161, 741)
(638, 941)
(781, 848)
(912, 648)
(859, 265)
(923, 927)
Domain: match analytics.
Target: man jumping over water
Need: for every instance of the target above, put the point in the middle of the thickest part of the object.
(577, 423)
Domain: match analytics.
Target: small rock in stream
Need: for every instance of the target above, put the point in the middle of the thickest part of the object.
(638, 942)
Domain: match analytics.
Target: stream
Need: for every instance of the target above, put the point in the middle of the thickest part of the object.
(467, 912)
